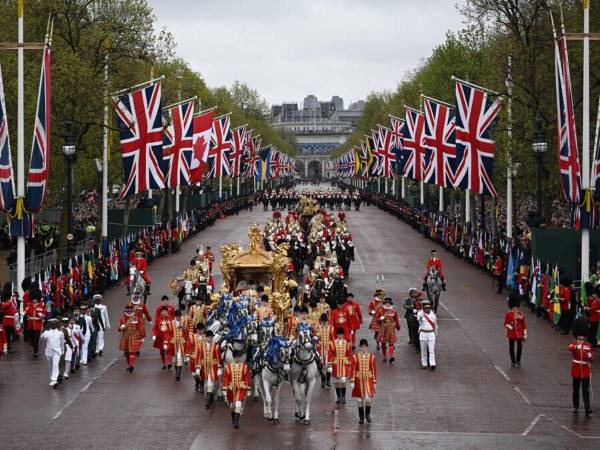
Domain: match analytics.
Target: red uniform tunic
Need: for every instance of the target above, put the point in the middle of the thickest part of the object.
(390, 323)
(323, 333)
(565, 299)
(236, 381)
(131, 329)
(374, 307)
(354, 315)
(340, 319)
(3, 341)
(178, 343)
(170, 312)
(340, 352)
(594, 309)
(210, 258)
(142, 312)
(194, 344)
(498, 267)
(9, 311)
(142, 267)
(208, 359)
(364, 375)
(582, 357)
(437, 262)
(35, 317)
(291, 327)
(162, 332)
(518, 326)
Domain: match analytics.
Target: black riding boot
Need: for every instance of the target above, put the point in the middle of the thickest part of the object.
(338, 395)
(361, 415)
(368, 413)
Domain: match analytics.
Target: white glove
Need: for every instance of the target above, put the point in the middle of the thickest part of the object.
(352, 386)
(225, 394)
(509, 326)
(153, 338)
(219, 372)
(343, 380)
(198, 372)
(351, 332)
(122, 327)
(579, 347)
(165, 347)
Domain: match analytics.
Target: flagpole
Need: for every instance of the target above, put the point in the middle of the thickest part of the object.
(420, 175)
(220, 187)
(467, 206)
(585, 181)
(20, 146)
(105, 151)
(403, 187)
(238, 185)
(509, 169)
(441, 193)
(386, 185)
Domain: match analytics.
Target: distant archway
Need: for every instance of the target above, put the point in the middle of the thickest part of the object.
(314, 169)
(300, 167)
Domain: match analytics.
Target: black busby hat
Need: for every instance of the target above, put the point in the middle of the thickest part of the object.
(581, 327)
(514, 300)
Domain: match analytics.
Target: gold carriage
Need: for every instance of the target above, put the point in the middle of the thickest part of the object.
(246, 269)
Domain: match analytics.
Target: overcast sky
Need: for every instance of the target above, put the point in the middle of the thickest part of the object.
(286, 49)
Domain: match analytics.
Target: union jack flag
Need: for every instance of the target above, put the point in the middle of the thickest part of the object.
(221, 146)
(376, 150)
(476, 116)
(7, 182)
(177, 144)
(413, 151)
(440, 142)
(246, 150)
(397, 139)
(568, 155)
(202, 125)
(252, 162)
(139, 119)
(235, 157)
(39, 164)
(365, 157)
(388, 152)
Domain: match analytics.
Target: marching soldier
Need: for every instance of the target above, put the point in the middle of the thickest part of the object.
(178, 344)
(516, 329)
(427, 334)
(354, 317)
(236, 383)
(55, 343)
(374, 306)
(411, 306)
(323, 331)
(580, 366)
(10, 312)
(389, 324)
(162, 333)
(65, 363)
(35, 319)
(363, 380)
(340, 319)
(164, 301)
(194, 344)
(103, 313)
(208, 366)
(131, 328)
(339, 354)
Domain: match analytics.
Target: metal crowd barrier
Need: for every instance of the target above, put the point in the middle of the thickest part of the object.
(34, 265)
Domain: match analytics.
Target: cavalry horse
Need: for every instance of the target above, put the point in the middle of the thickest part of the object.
(272, 367)
(434, 287)
(136, 283)
(304, 373)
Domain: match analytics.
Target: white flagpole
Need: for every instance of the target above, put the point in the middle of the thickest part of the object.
(441, 205)
(105, 153)
(467, 206)
(585, 181)
(20, 147)
(220, 187)
(386, 185)
(421, 193)
(403, 187)
(509, 169)
(238, 185)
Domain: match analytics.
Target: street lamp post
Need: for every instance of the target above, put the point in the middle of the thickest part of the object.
(69, 150)
(539, 147)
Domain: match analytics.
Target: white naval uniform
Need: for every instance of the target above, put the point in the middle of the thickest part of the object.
(86, 338)
(427, 334)
(55, 344)
(104, 315)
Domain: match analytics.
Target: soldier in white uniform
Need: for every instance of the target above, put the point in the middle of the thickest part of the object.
(427, 333)
(55, 344)
(87, 334)
(104, 316)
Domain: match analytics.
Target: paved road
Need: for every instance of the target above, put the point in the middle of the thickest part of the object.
(473, 400)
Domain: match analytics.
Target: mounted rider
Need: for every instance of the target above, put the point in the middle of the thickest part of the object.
(141, 265)
(436, 262)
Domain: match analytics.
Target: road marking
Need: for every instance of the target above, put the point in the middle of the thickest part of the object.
(336, 420)
(566, 428)
(448, 311)
(359, 260)
(502, 373)
(532, 424)
(84, 389)
(523, 396)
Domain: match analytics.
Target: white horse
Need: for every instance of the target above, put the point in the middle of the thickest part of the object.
(304, 373)
(272, 371)
(434, 287)
(136, 282)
